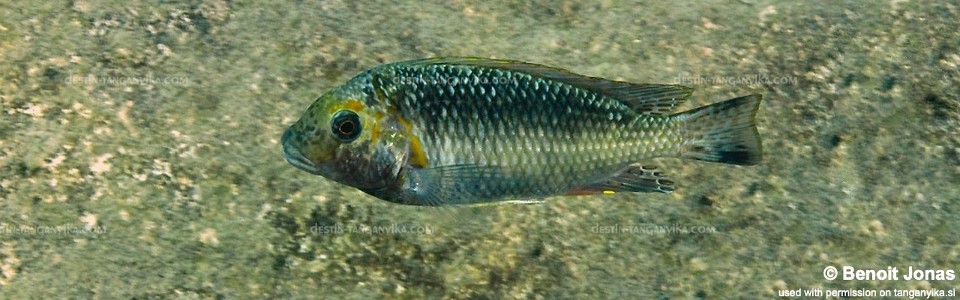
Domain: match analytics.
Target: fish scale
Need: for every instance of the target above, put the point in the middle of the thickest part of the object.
(436, 106)
(467, 131)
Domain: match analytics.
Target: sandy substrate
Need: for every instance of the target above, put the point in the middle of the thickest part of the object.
(139, 154)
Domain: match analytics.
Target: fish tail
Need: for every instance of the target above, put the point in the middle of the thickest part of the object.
(724, 132)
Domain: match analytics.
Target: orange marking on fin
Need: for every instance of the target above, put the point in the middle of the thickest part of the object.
(580, 193)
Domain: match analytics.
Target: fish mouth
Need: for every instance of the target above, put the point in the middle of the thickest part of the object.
(295, 158)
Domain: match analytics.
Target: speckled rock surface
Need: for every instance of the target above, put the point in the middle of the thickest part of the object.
(139, 154)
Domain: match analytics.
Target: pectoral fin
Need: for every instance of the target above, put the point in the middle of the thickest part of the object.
(455, 184)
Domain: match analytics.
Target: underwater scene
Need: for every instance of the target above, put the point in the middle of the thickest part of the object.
(503, 149)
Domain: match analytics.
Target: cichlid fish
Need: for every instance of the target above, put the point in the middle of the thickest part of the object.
(445, 131)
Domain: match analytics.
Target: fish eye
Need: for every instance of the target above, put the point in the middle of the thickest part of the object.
(346, 126)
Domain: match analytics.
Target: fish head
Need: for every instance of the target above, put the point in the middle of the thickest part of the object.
(342, 136)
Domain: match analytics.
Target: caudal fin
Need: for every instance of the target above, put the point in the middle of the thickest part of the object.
(724, 132)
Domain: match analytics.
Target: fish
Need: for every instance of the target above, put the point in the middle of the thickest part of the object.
(476, 131)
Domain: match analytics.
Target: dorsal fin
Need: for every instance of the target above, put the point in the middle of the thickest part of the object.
(648, 99)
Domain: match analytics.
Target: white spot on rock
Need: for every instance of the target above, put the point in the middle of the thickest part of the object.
(100, 165)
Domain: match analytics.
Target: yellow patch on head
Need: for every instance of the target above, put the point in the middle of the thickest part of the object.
(609, 192)
(376, 131)
(353, 105)
(418, 157)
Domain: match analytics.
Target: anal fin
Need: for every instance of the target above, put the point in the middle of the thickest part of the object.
(636, 178)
